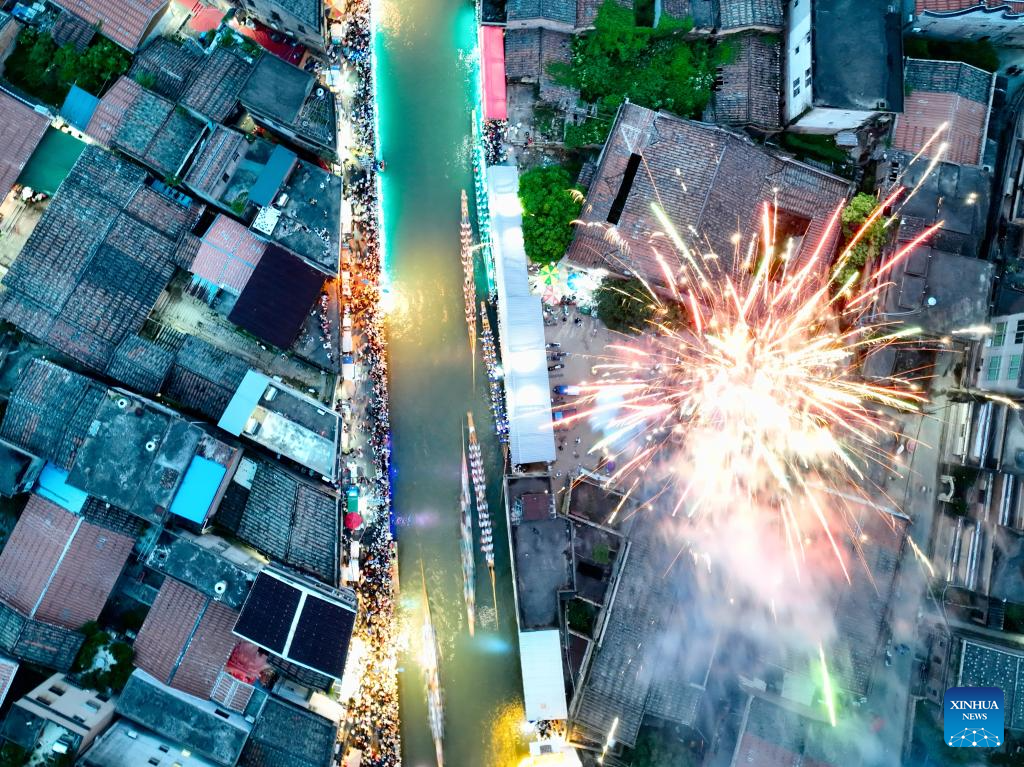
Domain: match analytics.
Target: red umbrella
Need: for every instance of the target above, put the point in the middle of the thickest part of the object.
(353, 521)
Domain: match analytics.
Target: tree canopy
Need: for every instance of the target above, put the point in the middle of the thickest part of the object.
(624, 305)
(653, 67)
(869, 246)
(549, 208)
(40, 68)
(657, 747)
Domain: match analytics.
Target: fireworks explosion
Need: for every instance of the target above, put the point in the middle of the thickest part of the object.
(748, 412)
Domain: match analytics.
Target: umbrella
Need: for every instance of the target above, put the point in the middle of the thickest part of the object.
(353, 520)
(549, 273)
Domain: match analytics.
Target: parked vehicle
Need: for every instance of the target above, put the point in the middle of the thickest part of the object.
(559, 366)
(554, 345)
(561, 415)
(567, 390)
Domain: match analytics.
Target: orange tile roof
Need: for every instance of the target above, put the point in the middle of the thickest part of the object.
(21, 130)
(126, 22)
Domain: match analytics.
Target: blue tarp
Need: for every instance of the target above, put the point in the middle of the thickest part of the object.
(246, 398)
(53, 486)
(273, 174)
(198, 489)
(78, 107)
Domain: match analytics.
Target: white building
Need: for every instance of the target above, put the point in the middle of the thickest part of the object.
(844, 63)
(998, 21)
(1002, 354)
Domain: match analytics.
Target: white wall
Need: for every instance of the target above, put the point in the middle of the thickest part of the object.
(973, 26)
(798, 58)
(827, 120)
(1002, 344)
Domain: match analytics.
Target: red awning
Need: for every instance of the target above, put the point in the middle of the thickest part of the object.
(353, 521)
(492, 41)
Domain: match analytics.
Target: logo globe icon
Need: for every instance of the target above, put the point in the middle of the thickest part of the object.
(971, 737)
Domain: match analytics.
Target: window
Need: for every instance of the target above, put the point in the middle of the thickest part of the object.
(999, 334)
(154, 761)
(164, 748)
(796, 90)
(992, 371)
(1013, 373)
(56, 689)
(797, 49)
(1018, 334)
(807, 77)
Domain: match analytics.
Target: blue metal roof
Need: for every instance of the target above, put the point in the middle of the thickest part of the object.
(273, 174)
(52, 485)
(78, 107)
(243, 402)
(198, 489)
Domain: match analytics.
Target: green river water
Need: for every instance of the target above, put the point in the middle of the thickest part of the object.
(426, 78)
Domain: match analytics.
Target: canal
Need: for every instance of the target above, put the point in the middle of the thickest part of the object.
(425, 80)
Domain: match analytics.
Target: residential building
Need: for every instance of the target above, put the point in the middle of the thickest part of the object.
(227, 256)
(773, 736)
(832, 82)
(124, 744)
(1001, 355)
(201, 726)
(748, 88)
(998, 21)
(21, 130)
(290, 102)
(286, 422)
(287, 734)
(947, 95)
(304, 625)
(77, 715)
(302, 19)
(291, 519)
(126, 22)
(987, 664)
(728, 182)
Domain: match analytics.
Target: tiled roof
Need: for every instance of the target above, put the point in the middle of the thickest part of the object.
(737, 14)
(70, 29)
(707, 178)
(171, 66)
(49, 412)
(563, 11)
(214, 92)
(21, 130)
(285, 735)
(522, 54)
(944, 93)
(109, 115)
(157, 133)
(37, 642)
(528, 52)
(228, 255)
(140, 364)
(123, 21)
(292, 520)
(8, 668)
(233, 694)
(111, 517)
(97, 261)
(58, 568)
(219, 157)
(1008, 7)
(204, 378)
(186, 639)
(748, 92)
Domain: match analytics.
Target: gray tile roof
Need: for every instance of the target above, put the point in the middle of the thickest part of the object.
(738, 14)
(285, 735)
(49, 412)
(204, 378)
(748, 92)
(948, 77)
(293, 520)
(172, 67)
(563, 11)
(214, 91)
(70, 29)
(140, 364)
(726, 179)
(37, 642)
(529, 52)
(157, 133)
(96, 262)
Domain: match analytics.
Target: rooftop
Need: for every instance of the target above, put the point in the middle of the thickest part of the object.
(228, 255)
(99, 257)
(309, 223)
(747, 92)
(292, 519)
(186, 639)
(726, 181)
(299, 620)
(277, 297)
(1006, 8)
(204, 378)
(59, 569)
(286, 735)
(168, 64)
(157, 133)
(21, 130)
(528, 53)
(69, 28)
(846, 78)
(215, 90)
(184, 719)
(743, 14)
(126, 745)
(950, 94)
(286, 422)
(194, 561)
(543, 558)
(281, 93)
(982, 665)
(36, 641)
(126, 22)
(1007, 575)
(140, 364)
(773, 736)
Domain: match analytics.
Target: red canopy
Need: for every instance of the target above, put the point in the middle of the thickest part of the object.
(353, 521)
(492, 42)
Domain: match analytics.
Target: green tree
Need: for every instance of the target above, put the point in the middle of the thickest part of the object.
(550, 204)
(624, 305)
(658, 747)
(653, 67)
(101, 63)
(869, 245)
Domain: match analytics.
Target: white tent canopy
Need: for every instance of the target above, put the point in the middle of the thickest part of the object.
(521, 326)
